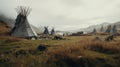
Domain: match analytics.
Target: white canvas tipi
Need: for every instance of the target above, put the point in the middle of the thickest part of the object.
(22, 27)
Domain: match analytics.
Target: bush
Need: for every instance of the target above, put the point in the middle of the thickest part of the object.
(104, 47)
(42, 47)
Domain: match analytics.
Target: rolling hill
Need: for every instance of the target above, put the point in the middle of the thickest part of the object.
(97, 27)
(4, 28)
(90, 28)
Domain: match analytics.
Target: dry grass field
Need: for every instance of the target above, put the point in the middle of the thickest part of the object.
(76, 51)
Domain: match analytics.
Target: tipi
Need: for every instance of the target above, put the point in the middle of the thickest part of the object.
(53, 32)
(22, 27)
(46, 31)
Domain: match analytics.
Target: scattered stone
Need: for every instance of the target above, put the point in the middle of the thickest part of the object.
(57, 38)
(97, 38)
(79, 56)
(109, 38)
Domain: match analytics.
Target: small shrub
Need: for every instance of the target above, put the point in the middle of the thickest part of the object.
(42, 47)
(21, 52)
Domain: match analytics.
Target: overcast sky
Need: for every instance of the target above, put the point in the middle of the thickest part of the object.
(65, 14)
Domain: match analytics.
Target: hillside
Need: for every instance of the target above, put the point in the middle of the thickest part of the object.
(97, 27)
(90, 28)
(117, 25)
(9, 21)
(4, 28)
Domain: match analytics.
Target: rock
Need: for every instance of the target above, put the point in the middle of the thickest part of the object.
(57, 38)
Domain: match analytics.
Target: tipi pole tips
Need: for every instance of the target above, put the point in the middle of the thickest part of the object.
(23, 10)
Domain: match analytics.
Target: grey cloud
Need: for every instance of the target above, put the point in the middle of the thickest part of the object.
(72, 2)
(65, 14)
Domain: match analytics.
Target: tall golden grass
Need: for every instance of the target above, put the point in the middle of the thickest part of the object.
(82, 49)
(80, 52)
(9, 39)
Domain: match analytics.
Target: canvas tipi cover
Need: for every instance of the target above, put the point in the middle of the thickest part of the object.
(22, 27)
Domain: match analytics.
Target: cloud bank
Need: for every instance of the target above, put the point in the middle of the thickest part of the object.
(65, 14)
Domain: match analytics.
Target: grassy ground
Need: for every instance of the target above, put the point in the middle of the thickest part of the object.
(81, 51)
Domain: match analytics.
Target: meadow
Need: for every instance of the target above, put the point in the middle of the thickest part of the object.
(75, 51)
